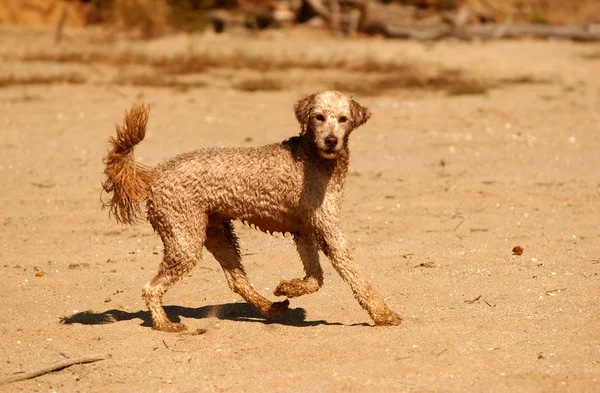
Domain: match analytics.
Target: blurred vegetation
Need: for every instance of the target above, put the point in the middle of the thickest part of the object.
(157, 17)
(154, 17)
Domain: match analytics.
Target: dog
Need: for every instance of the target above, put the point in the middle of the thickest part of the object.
(295, 186)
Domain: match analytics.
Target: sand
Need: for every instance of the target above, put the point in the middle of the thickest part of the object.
(440, 190)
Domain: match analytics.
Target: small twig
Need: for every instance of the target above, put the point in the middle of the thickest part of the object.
(445, 350)
(458, 226)
(554, 291)
(54, 367)
(474, 300)
(108, 85)
(480, 298)
(491, 305)
(166, 346)
(94, 68)
(61, 24)
(425, 264)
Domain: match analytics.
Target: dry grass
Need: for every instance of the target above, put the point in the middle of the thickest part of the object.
(263, 83)
(365, 76)
(591, 55)
(67, 78)
(466, 88)
(451, 82)
(524, 80)
(97, 57)
(143, 80)
(200, 62)
(156, 80)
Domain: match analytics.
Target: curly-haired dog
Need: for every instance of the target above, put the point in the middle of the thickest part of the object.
(294, 186)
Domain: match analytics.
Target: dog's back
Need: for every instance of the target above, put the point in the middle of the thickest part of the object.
(261, 186)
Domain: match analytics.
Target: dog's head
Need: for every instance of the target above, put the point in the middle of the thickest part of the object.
(331, 116)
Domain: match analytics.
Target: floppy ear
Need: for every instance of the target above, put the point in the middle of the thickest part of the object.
(360, 114)
(302, 110)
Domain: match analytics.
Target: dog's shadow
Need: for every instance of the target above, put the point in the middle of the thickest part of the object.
(242, 312)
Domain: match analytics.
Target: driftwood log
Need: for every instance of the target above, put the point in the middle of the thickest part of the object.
(488, 31)
(395, 21)
(377, 18)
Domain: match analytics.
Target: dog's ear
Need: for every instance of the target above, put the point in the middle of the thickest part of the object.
(360, 114)
(302, 110)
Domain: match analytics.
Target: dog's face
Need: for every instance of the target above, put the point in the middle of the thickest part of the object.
(331, 116)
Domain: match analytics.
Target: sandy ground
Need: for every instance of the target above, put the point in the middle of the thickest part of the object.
(440, 190)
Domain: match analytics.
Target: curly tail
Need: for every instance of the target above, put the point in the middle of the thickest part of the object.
(128, 181)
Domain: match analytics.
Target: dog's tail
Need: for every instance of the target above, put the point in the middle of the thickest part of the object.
(128, 181)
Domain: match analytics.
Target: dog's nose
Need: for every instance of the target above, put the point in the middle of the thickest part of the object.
(331, 141)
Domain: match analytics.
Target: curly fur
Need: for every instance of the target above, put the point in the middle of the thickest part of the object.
(295, 186)
(128, 181)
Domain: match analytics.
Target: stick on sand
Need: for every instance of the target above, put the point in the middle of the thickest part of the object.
(54, 367)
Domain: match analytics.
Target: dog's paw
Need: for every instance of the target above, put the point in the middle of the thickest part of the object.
(297, 287)
(389, 319)
(278, 308)
(284, 288)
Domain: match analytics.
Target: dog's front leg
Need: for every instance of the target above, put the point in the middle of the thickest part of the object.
(306, 244)
(335, 248)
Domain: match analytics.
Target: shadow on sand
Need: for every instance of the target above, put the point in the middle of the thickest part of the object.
(241, 312)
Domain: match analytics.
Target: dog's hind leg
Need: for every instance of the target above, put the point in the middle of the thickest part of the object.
(222, 243)
(306, 243)
(183, 243)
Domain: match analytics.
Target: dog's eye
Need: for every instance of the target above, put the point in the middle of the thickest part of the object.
(343, 119)
(320, 117)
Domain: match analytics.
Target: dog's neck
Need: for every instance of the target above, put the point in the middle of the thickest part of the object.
(337, 167)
